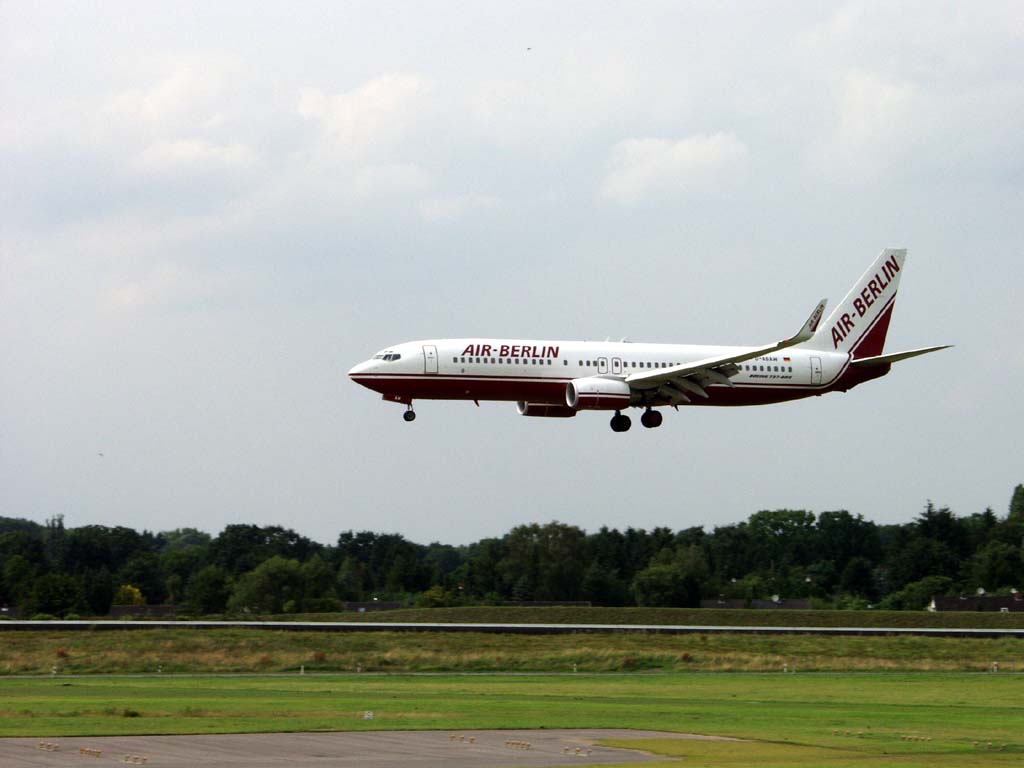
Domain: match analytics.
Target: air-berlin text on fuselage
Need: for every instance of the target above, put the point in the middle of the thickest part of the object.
(868, 296)
(510, 350)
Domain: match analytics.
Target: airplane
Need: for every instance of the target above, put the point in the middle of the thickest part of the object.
(558, 379)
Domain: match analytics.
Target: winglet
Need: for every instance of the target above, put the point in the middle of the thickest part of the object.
(811, 325)
(749, 353)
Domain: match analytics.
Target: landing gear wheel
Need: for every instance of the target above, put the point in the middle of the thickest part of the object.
(651, 419)
(620, 423)
(409, 415)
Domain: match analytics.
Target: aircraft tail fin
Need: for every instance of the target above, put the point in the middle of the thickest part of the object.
(859, 322)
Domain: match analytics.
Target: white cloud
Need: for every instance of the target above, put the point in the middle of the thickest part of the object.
(872, 110)
(371, 116)
(192, 96)
(159, 286)
(389, 180)
(641, 168)
(127, 295)
(878, 125)
(190, 156)
(452, 207)
(579, 95)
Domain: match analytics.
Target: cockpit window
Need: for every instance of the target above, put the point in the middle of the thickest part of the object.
(387, 357)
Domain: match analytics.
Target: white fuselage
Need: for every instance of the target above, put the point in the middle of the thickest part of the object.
(537, 371)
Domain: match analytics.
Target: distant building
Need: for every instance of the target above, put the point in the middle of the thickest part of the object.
(999, 603)
(791, 604)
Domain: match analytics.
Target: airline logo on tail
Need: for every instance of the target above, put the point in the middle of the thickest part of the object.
(864, 305)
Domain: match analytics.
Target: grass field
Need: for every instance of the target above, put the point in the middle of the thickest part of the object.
(796, 719)
(685, 616)
(147, 651)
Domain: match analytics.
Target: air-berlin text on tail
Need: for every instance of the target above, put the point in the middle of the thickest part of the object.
(510, 350)
(871, 292)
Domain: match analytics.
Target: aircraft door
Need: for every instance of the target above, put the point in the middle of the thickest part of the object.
(815, 370)
(429, 358)
(616, 365)
(602, 365)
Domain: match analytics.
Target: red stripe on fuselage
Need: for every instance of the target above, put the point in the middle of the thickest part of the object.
(552, 391)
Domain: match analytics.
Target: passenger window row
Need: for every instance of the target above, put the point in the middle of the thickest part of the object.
(593, 363)
(628, 364)
(775, 369)
(502, 360)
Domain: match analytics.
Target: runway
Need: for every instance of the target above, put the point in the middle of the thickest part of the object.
(378, 749)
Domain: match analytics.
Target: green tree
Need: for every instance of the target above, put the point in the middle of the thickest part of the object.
(781, 536)
(24, 544)
(435, 597)
(269, 586)
(604, 586)
(1017, 502)
(729, 552)
(209, 590)
(174, 585)
(241, 548)
(97, 591)
(143, 570)
(129, 595)
(546, 561)
(182, 562)
(349, 581)
(483, 576)
(20, 524)
(917, 595)
(943, 526)
(184, 538)
(858, 578)
(18, 576)
(996, 565)
(55, 593)
(923, 557)
(319, 586)
(665, 586)
(842, 536)
(822, 578)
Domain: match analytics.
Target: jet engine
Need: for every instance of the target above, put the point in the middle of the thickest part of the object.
(597, 393)
(545, 410)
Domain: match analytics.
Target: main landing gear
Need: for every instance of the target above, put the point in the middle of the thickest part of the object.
(410, 414)
(620, 423)
(651, 419)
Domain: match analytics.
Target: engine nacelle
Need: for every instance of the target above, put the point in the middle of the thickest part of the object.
(545, 410)
(594, 393)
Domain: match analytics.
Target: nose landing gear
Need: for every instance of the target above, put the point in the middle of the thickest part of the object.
(651, 419)
(410, 414)
(620, 423)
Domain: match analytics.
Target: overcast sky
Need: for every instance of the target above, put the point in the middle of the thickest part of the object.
(210, 211)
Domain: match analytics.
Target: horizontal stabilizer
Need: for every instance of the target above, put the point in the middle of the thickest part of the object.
(869, 362)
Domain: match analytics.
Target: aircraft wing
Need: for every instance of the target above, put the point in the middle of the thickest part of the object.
(693, 377)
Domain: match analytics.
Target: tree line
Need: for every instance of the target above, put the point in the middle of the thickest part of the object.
(836, 558)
